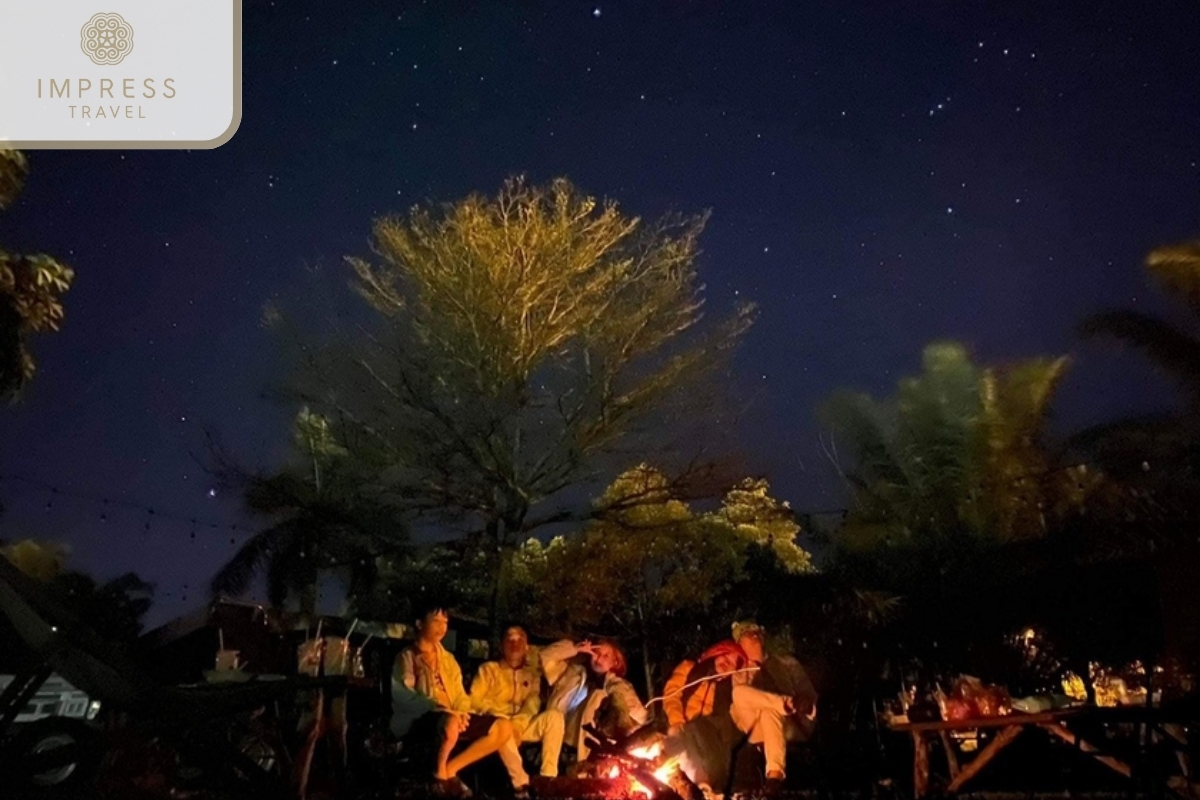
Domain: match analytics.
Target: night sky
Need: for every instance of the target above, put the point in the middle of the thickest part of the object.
(880, 175)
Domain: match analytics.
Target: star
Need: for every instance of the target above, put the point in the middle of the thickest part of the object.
(596, 11)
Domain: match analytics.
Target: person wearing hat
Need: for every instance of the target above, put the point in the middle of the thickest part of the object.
(779, 705)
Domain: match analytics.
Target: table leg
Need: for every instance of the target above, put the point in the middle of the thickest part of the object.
(920, 765)
(1002, 740)
(1062, 732)
(951, 757)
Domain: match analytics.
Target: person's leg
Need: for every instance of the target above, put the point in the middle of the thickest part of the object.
(547, 728)
(760, 715)
(511, 757)
(447, 730)
(587, 718)
(497, 735)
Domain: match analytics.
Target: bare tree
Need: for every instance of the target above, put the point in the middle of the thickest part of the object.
(521, 345)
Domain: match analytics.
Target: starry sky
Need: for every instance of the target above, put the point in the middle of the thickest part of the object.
(880, 175)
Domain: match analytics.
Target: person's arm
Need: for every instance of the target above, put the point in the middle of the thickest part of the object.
(552, 656)
(627, 703)
(407, 702)
(460, 701)
(673, 695)
(804, 693)
(481, 687)
(406, 670)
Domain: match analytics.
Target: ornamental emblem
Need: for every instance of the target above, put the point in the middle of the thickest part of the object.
(106, 38)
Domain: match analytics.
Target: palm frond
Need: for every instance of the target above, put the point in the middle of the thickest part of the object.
(1176, 352)
(1177, 268)
(252, 557)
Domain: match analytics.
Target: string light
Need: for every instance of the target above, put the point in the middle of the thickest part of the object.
(157, 515)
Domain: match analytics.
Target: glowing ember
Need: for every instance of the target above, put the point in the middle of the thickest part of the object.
(640, 789)
(614, 772)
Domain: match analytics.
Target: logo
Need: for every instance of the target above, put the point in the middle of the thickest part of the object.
(181, 89)
(106, 38)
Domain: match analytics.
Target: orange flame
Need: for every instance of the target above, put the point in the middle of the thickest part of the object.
(648, 752)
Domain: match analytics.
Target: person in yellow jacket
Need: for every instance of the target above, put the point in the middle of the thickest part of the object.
(429, 701)
(511, 689)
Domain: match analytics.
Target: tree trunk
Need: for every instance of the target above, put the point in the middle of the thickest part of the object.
(646, 669)
(494, 632)
(495, 566)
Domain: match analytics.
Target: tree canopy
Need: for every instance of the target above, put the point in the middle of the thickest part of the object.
(655, 570)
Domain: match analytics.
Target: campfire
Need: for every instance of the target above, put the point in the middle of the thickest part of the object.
(636, 768)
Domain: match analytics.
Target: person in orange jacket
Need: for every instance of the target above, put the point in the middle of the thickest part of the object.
(704, 687)
(698, 701)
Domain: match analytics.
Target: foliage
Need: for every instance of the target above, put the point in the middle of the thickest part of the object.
(1176, 268)
(31, 287)
(520, 346)
(957, 455)
(757, 517)
(41, 560)
(114, 608)
(451, 574)
(651, 569)
(966, 520)
(14, 168)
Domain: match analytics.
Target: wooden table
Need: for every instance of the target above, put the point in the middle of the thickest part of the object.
(1008, 728)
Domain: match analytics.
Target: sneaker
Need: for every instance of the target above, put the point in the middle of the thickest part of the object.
(522, 792)
(453, 787)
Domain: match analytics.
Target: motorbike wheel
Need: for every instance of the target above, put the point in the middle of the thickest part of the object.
(53, 758)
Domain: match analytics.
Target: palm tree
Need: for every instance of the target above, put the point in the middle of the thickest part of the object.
(1156, 454)
(959, 505)
(958, 452)
(325, 523)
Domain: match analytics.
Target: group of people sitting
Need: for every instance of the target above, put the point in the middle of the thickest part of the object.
(551, 695)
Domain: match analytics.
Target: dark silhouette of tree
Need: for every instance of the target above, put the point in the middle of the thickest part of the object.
(1158, 455)
(114, 608)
